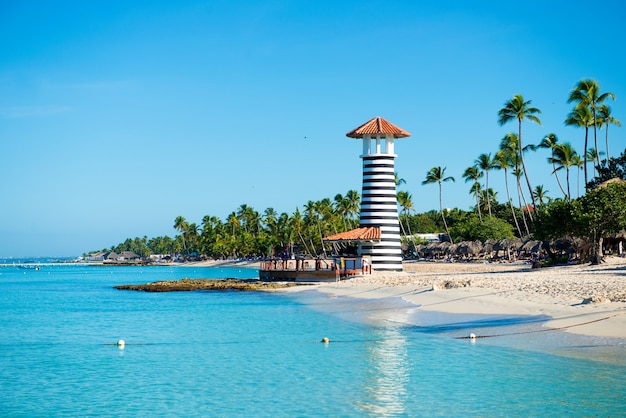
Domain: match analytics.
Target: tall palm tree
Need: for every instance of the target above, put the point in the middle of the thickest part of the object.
(564, 159)
(181, 225)
(473, 174)
(587, 94)
(581, 117)
(296, 223)
(311, 216)
(347, 207)
(550, 141)
(606, 118)
(509, 144)
(353, 203)
(485, 163)
(521, 199)
(233, 223)
(192, 237)
(322, 210)
(438, 175)
(578, 163)
(405, 200)
(519, 109)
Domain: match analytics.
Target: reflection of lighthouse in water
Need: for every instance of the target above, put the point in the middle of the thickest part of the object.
(379, 206)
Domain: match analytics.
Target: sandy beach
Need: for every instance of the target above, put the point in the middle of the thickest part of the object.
(582, 299)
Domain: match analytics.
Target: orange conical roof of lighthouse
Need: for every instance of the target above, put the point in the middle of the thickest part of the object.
(378, 126)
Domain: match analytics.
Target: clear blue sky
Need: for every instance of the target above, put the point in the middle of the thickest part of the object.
(118, 116)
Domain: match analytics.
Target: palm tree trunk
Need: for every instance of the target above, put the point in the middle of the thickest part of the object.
(520, 198)
(521, 154)
(558, 181)
(402, 226)
(306, 247)
(442, 215)
(607, 140)
(585, 155)
(569, 196)
(595, 136)
(508, 197)
(319, 228)
(313, 246)
(487, 195)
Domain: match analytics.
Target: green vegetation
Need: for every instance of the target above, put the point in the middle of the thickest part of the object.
(600, 212)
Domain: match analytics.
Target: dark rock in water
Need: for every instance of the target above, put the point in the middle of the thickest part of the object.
(185, 285)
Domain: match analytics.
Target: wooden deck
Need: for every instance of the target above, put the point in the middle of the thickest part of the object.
(313, 270)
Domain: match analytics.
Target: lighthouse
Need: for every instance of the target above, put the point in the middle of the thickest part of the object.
(379, 207)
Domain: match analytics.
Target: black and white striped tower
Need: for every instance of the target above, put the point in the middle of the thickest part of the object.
(379, 207)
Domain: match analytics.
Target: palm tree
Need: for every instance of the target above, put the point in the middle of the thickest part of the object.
(485, 163)
(541, 195)
(347, 206)
(353, 203)
(486, 196)
(521, 198)
(181, 225)
(564, 157)
(606, 119)
(472, 174)
(593, 156)
(587, 94)
(296, 223)
(397, 179)
(437, 175)
(509, 145)
(233, 222)
(551, 141)
(518, 109)
(405, 200)
(578, 163)
(192, 236)
(248, 218)
(581, 117)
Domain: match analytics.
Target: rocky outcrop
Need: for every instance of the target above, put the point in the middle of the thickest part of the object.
(185, 285)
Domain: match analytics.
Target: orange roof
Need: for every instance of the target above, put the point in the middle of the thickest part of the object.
(378, 126)
(371, 233)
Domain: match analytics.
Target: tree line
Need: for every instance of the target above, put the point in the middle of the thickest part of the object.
(528, 212)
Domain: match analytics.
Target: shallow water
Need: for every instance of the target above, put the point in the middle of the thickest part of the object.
(259, 354)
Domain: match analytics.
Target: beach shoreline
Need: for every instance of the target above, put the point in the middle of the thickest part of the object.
(580, 299)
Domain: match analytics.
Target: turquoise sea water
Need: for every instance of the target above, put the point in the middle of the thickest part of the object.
(259, 354)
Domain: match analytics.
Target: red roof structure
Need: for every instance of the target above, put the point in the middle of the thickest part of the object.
(378, 126)
(371, 233)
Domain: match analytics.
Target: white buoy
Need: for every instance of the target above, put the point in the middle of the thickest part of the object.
(121, 343)
(325, 340)
(472, 336)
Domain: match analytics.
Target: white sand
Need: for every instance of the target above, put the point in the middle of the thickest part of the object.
(513, 289)
(500, 288)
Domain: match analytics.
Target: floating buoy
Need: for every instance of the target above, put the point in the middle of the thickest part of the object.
(325, 340)
(472, 336)
(121, 343)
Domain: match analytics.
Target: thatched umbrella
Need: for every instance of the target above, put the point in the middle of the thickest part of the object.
(488, 247)
(531, 246)
(508, 244)
(469, 248)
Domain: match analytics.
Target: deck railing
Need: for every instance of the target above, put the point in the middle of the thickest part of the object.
(344, 266)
